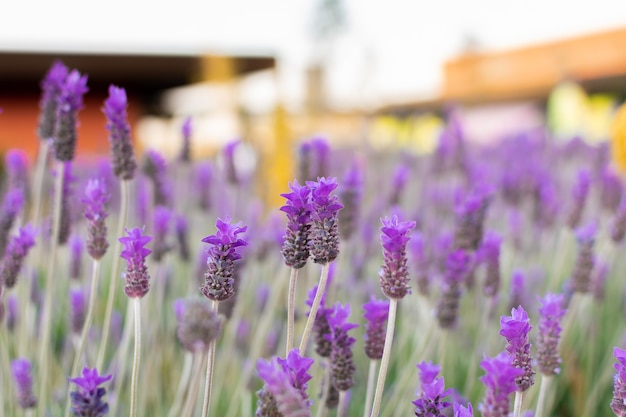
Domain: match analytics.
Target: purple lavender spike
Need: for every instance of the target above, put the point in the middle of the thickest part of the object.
(515, 330)
(182, 236)
(580, 191)
(551, 314)
(489, 253)
(350, 196)
(162, 219)
(78, 309)
(229, 162)
(295, 249)
(76, 257)
(430, 401)
(13, 312)
(341, 361)
(456, 269)
(417, 251)
(51, 87)
(618, 404)
(321, 150)
(198, 325)
(499, 380)
(122, 151)
(135, 253)
(21, 369)
(581, 275)
(324, 213)
(18, 248)
(185, 151)
(69, 101)
(376, 314)
(155, 168)
(66, 204)
(12, 204)
(16, 162)
(398, 184)
(204, 175)
(95, 200)
(394, 275)
(87, 399)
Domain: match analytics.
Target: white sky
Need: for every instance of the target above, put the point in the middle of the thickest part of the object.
(393, 49)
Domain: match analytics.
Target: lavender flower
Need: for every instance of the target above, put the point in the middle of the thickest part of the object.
(350, 195)
(321, 326)
(218, 280)
(618, 404)
(398, 183)
(581, 276)
(229, 162)
(598, 280)
(69, 101)
(341, 361)
(12, 312)
(135, 253)
(325, 229)
(182, 237)
(295, 248)
(16, 252)
(95, 200)
(500, 382)
(21, 370)
(551, 311)
(155, 168)
(490, 254)
(51, 89)
(428, 372)
(76, 255)
(394, 274)
(515, 330)
(580, 190)
(470, 218)
(462, 411)
(78, 309)
(204, 174)
(185, 152)
(12, 204)
(16, 162)
(162, 218)
(87, 399)
(430, 401)
(611, 190)
(457, 265)
(122, 152)
(518, 295)
(305, 162)
(321, 150)
(376, 314)
(198, 325)
(417, 248)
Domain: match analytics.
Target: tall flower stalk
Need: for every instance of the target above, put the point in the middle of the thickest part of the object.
(394, 278)
(376, 315)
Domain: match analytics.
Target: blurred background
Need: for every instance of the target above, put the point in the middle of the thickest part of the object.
(357, 71)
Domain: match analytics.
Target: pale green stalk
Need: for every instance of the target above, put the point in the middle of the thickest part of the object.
(517, 405)
(122, 358)
(341, 407)
(136, 357)
(44, 347)
(321, 408)
(291, 299)
(384, 363)
(182, 385)
(86, 326)
(5, 378)
(190, 402)
(370, 387)
(543, 389)
(321, 288)
(121, 222)
(37, 190)
(209, 371)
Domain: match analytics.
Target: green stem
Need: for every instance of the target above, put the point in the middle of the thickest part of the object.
(543, 389)
(321, 408)
(370, 387)
(86, 327)
(42, 158)
(384, 363)
(341, 407)
(136, 357)
(209, 372)
(321, 288)
(517, 406)
(106, 325)
(291, 298)
(195, 383)
(44, 347)
(182, 385)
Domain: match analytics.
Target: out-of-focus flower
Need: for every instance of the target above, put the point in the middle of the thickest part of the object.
(78, 309)
(162, 217)
(65, 221)
(551, 312)
(12, 204)
(321, 151)
(95, 200)
(515, 330)
(350, 196)
(185, 151)
(50, 88)
(69, 101)
(21, 369)
(341, 362)
(155, 168)
(324, 216)
(499, 381)
(18, 248)
(295, 248)
(581, 276)
(87, 400)
(456, 268)
(229, 162)
(580, 191)
(204, 174)
(122, 151)
(418, 255)
(489, 254)
(198, 325)
(182, 232)
(376, 314)
(16, 162)
(135, 253)
(76, 255)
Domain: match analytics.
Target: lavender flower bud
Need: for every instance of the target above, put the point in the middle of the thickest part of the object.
(198, 325)
(430, 400)
(305, 156)
(580, 191)
(618, 404)
(341, 361)
(12, 204)
(428, 372)
(218, 280)
(95, 200)
(394, 274)
(350, 195)
(229, 162)
(551, 311)
(204, 174)
(87, 399)
(134, 252)
(321, 151)
(398, 184)
(66, 205)
(490, 254)
(470, 218)
(421, 262)
(321, 326)
(499, 380)
(515, 330)
(518, 296)
(376, 314)
(21, 370)
(78, 309)
(69, 101)
(17, 250)
(12, 313)
(16, 163)
(462, 411)
(162, 217)
(122, 152)
(325, 229)
(456, 268)
(155, 168)
(581, 276)
(76, 255)
(182, 238)
(185, 151)
(295, 249)
(51, 89)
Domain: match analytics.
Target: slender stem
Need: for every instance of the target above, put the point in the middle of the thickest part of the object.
(95, 272)
(370, 387)
(5, 379)
(384, 364)
(42, 158)
(106, 325)
(44, 347)
(136, 357)
(118, 384)
(209, 373)
(291, 299)
(321, 288)
(517, 406)
(543, 389)
(341, 407)
(325, 388)
(182, 385)
(195, 383)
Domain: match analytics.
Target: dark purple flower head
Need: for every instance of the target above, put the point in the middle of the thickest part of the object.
(12, 204)
(376, 314)
(551, 311)
(515, 329)
(87, 399)
(18, 248)
(69, 101)
(21, 370)
(394, 274)
(324, 229)
(618, 404)
(321, 327)
(341, 361)
(421, 262)
(222, 254)
(13, 314)
(51, 88)
(182, 231)
(95, 200)
(135, 253)
(471, 210)
(457, 266)
(295, 248)
(350, 195)
(499, 381)
(122, 151)
(185, 152)
(155, 168)
(198, 325)
(297, 369)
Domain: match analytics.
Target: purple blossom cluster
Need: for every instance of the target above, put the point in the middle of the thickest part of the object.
(515, 329)
(135, 253)
(394, 275)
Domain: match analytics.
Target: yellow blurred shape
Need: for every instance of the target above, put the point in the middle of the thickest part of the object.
(618, 139)
(426, 129)
(567, 109)
(599, 117)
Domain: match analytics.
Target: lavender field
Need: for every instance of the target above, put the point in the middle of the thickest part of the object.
(479, 280)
